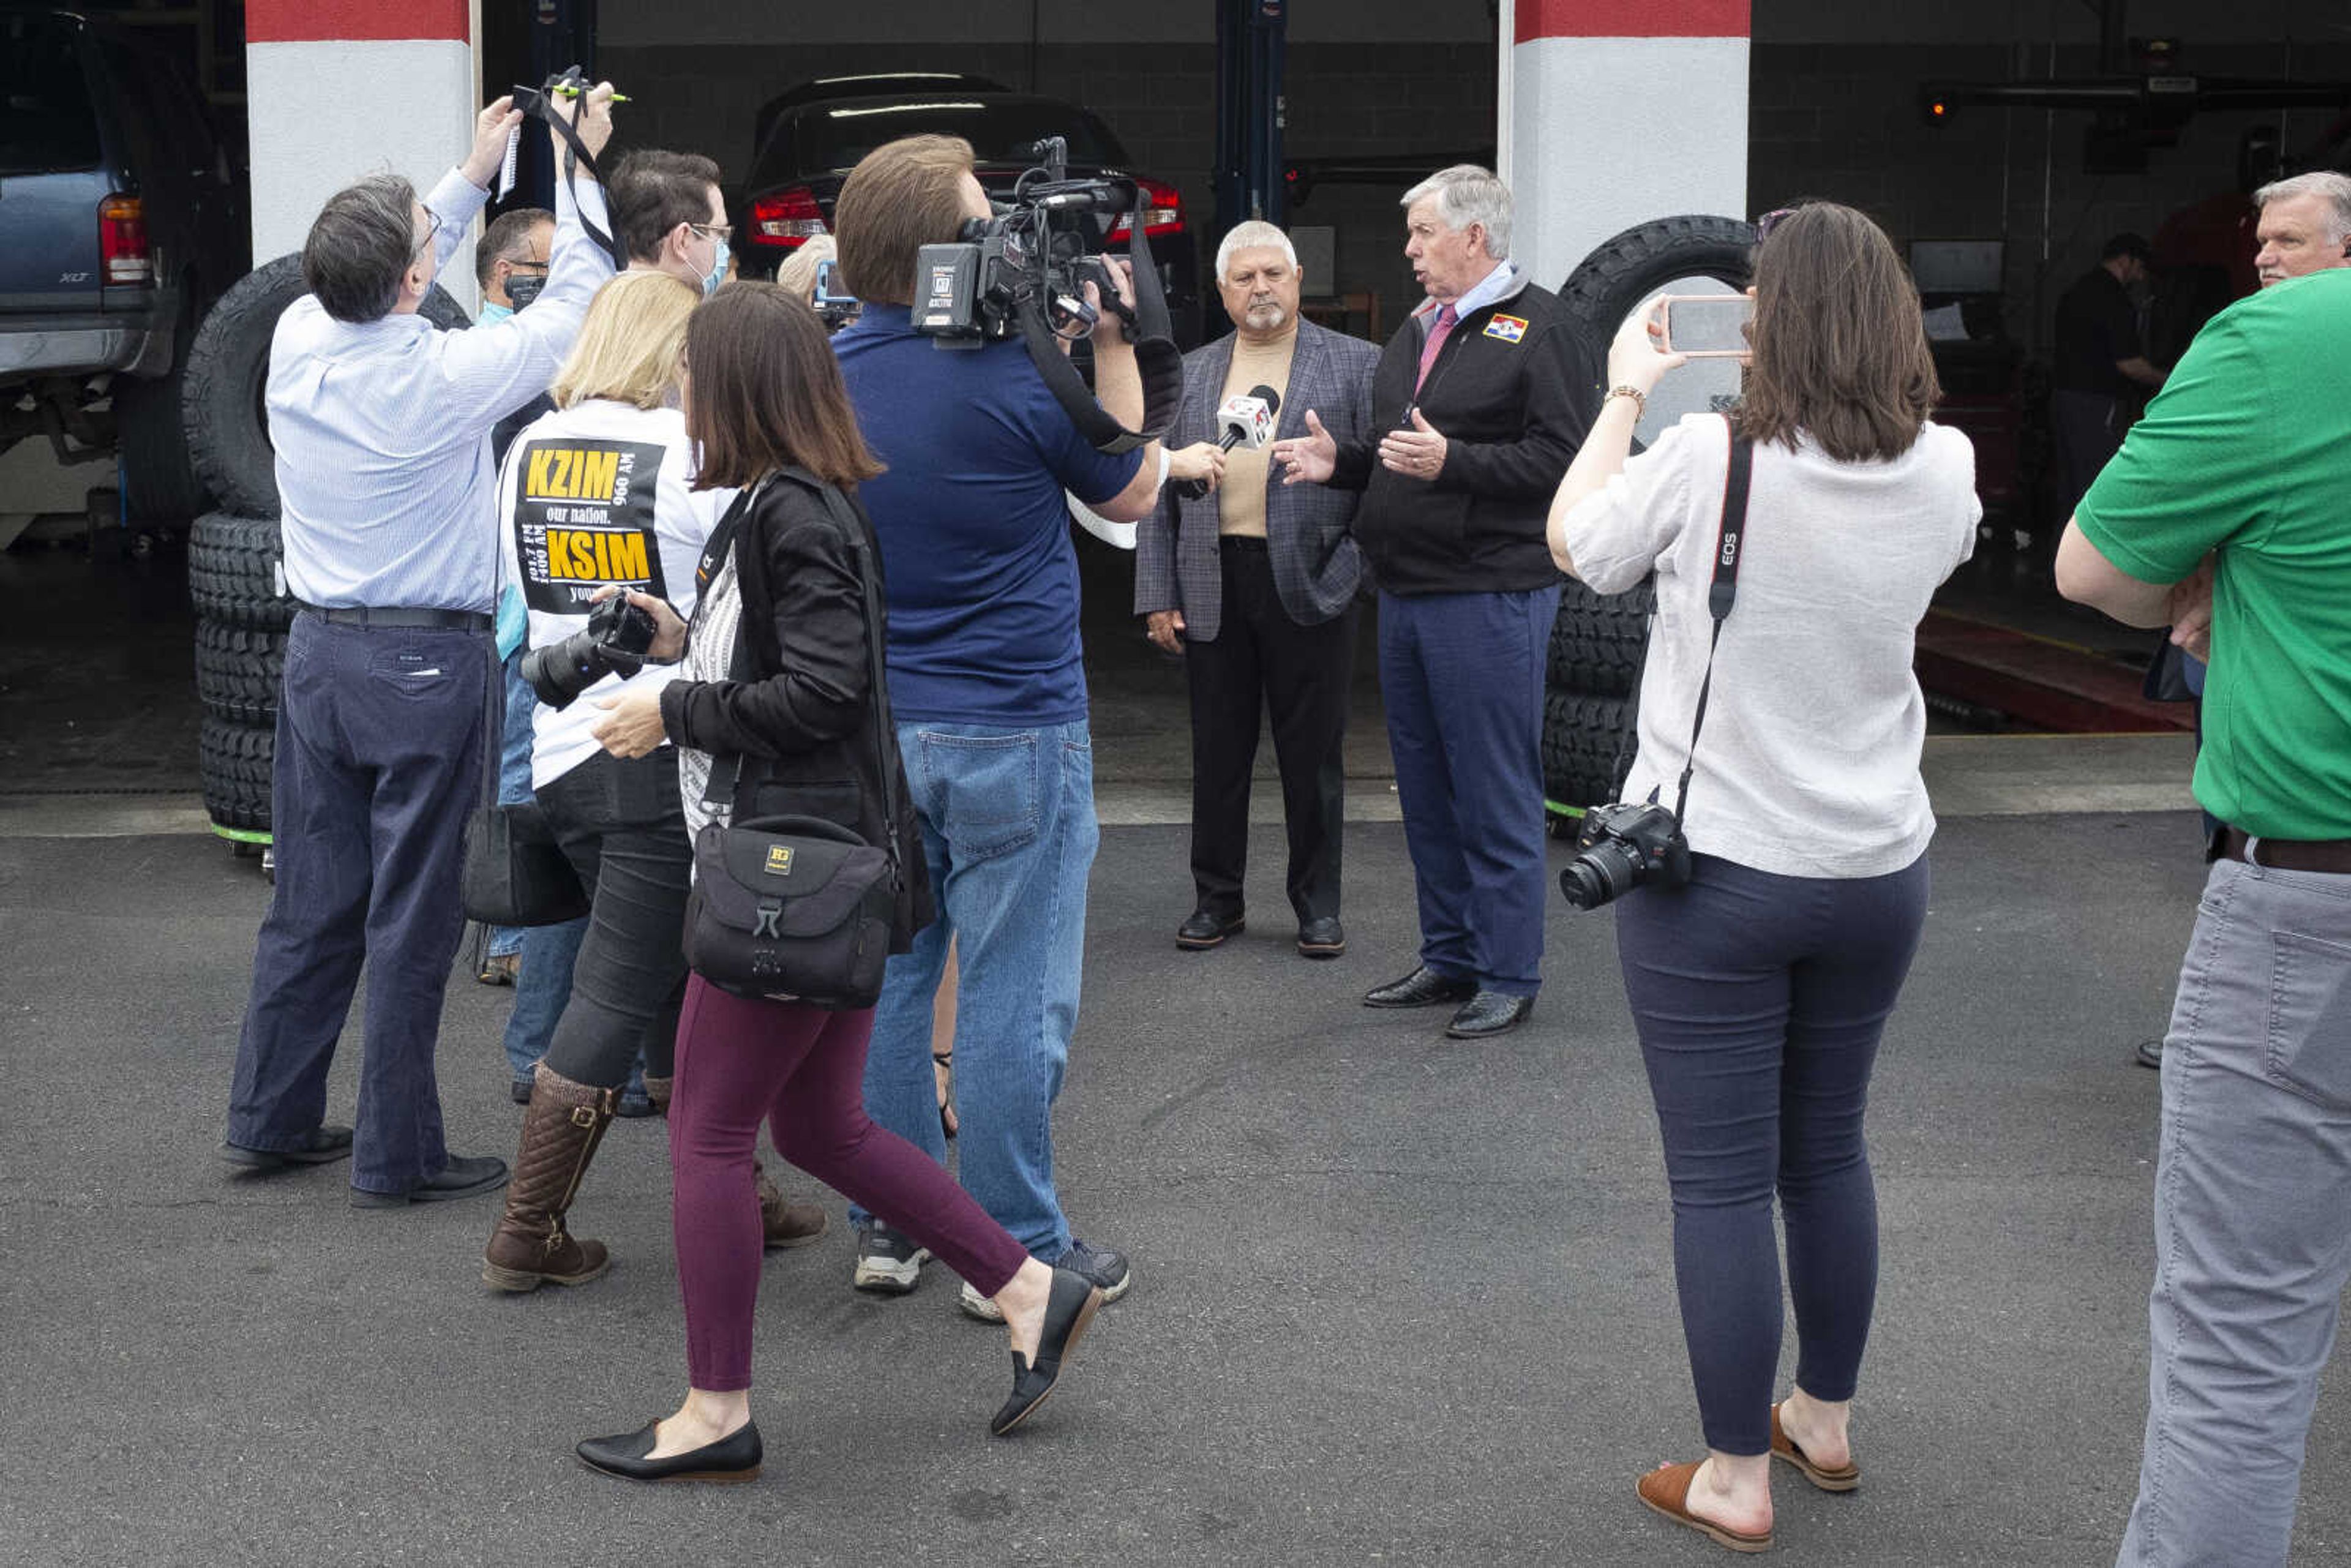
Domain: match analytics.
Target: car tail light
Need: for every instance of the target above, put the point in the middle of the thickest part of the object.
(1163, 212)
(122, 241)
(787, 219)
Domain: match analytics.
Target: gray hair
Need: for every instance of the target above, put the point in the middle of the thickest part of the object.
(1467, 194)
(2335, 187)
(360, 246)
(1255, 232)
(797, 275)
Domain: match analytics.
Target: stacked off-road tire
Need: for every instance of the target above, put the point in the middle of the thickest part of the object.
(1592, 683)
(236, 575)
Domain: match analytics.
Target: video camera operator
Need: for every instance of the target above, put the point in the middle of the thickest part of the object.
(1764, 948)
(382, 429)
(990, 698)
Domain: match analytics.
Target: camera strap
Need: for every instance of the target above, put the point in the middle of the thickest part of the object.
(1724, 586)
(1157, 359)
(539, 102)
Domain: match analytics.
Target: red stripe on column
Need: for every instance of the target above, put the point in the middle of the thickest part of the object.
(1632, 19)
(322, 21)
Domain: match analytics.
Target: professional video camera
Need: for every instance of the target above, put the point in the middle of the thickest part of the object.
(1022, 273)
(615, 640)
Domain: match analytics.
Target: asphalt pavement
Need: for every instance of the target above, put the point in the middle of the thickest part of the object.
(1398, 1300)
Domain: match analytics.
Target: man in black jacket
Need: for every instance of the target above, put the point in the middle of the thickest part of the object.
(1475, 416)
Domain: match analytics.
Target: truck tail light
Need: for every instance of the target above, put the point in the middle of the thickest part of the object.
(122, 242)
(1163, 212)
(787, 219)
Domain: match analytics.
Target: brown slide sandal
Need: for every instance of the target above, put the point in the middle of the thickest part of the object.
(1844, 1478)
(1667, 1492)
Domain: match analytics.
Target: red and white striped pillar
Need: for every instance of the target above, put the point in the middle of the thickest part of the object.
(336, 90)
(1616, 111)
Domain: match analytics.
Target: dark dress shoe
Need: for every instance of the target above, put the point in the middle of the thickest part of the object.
(323, 1146)
(1421, 989)
(1321, 939)
(1069, 1309)
(2150, 1053)
(463, 1177)
(734, 1458)
(1205, 929)
(1489, 1013)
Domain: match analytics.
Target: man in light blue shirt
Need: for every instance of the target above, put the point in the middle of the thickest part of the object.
(381, 428)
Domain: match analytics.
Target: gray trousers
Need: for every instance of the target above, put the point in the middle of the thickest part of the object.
(2252, 1217)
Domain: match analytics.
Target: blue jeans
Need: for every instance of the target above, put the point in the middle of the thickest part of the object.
(1009, 830)
(379, 759)
(2252, 1217)
(544, 984)
(1760, 1000)
(1462, 675)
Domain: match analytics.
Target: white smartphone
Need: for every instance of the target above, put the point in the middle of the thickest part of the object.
(1707, 325)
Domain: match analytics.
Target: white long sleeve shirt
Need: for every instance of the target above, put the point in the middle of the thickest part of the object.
(382, 428)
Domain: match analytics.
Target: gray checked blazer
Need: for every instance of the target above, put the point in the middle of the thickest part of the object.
(1315, 565)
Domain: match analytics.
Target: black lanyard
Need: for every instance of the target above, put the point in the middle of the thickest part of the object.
(1724, 589)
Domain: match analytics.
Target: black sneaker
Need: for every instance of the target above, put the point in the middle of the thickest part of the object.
(1106, 1268)
(888, 1264)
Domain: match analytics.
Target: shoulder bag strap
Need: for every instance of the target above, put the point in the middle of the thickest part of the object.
(1724, 589)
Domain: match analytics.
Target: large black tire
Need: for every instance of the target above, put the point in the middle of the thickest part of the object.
(1610, 283)
(1587, 745)
(1598, 641)
(158, 479)
(228, 372)
(237, 760)
(238, 672)
(234, 574)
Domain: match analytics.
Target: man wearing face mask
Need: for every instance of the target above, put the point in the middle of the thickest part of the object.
(667, 211)
(511, 264)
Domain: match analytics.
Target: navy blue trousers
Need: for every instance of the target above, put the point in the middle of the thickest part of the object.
(380, 741)
(1760, 1000)
(1462, 677)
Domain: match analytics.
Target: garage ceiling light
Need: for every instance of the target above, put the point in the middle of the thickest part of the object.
(899, 109)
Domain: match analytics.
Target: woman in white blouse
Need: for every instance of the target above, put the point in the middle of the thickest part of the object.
(1761, 987)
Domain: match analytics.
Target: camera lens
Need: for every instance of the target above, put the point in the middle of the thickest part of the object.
(561, 671)
(1601, 874)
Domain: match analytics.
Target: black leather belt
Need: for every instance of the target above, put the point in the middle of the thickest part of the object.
(1242, 542)
(404, 619)
(2331, 856)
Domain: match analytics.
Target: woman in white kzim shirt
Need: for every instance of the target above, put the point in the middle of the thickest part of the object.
(1761, 987)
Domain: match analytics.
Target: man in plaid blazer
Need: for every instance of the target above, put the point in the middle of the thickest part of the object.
(1255, 584)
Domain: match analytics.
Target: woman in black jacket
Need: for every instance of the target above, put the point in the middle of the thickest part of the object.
(782, 600)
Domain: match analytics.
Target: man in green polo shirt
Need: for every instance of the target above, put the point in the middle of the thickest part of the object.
(2231, 499)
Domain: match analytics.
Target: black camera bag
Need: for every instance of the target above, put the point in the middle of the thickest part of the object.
(515, 873)
(795, 908)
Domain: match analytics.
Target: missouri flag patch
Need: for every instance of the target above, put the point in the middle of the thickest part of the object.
(1509, 329)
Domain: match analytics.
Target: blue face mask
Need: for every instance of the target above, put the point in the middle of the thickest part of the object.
(718, 273)
(492, 313)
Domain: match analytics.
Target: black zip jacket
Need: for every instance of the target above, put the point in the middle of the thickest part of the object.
(1509, 392)
(805, 725)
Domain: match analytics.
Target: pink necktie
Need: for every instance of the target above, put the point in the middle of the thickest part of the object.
(1437, 333)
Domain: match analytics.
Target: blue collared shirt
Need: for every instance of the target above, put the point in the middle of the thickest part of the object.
(1488, 289)
(382, 428)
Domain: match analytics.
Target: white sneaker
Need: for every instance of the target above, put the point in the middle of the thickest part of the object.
(888, 1264)
(976, 1305)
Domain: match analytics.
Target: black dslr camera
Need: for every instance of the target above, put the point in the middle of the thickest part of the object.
(1032, 258)
(617, 636)
(1622, 847)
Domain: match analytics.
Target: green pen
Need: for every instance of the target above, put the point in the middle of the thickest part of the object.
(575, 92)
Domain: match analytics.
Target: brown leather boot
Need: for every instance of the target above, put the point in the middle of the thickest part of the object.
(657, 1091)
(786, 1224)
(560, 1130)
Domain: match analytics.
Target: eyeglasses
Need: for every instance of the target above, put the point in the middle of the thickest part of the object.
(722, 231)
(538, 266)
(1772, 220)
(432, 231)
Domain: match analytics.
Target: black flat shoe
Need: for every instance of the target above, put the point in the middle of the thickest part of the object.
(1204, 929)
(1421, 989)
(1489, 1013)
(734, 1458)
(1321, 939)
(463, 1177)
(324, 1147)
(1068, 1310)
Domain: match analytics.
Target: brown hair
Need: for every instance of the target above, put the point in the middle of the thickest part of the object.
(651, 192)
(767, 393)
(1840, 347)
(902, 196)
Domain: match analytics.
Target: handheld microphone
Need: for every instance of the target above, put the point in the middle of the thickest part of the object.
(1244, 421)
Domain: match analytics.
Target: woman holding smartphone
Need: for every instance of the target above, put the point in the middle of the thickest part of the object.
(1761, 987)
(776, 675)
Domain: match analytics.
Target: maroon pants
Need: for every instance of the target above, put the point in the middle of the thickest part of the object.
(801, 1069)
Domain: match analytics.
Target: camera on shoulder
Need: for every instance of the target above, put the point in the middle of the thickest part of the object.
(1623, 847)
(614, 641)
(1034, 256)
